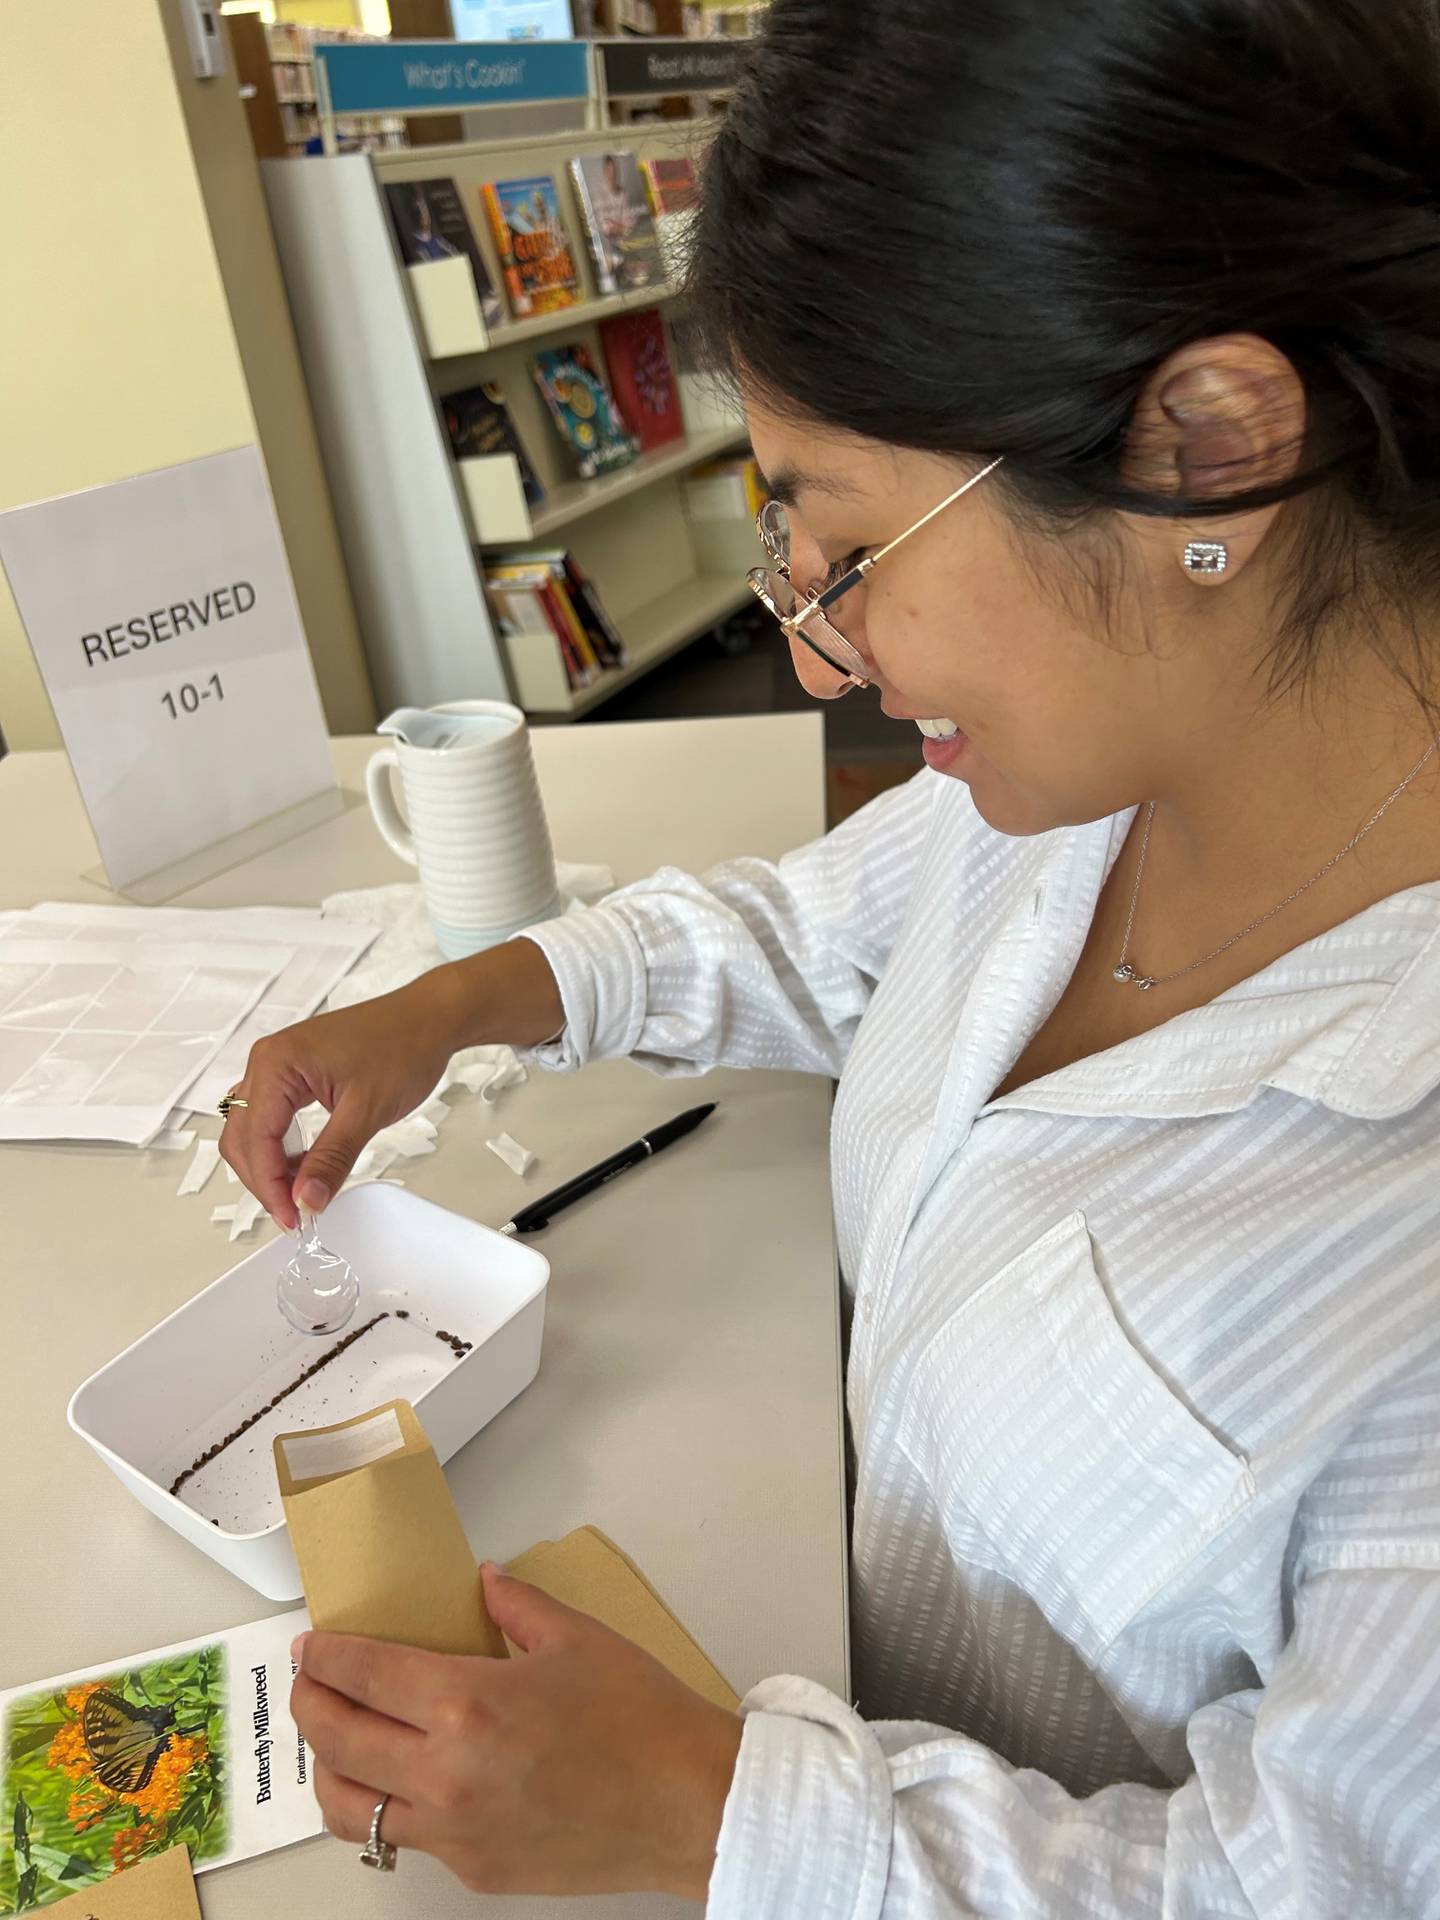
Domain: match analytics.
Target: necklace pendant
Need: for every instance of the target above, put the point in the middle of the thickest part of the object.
(1124, 973)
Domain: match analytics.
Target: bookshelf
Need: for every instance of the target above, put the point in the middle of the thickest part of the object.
(291, 54)
(415, 553)
(566, 504)
(663, 626)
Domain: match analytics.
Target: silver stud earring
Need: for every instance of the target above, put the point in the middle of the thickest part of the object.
(1206, 556)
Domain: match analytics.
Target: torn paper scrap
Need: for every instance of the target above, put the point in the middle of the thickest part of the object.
(519, 1159)
(207, 1158)
(410, 1137)
(247, 1212)
(171, 1140)
(373, 1161)
(222, 1216)
(509, 1073)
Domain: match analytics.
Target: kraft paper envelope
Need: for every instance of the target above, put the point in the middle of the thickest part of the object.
(382, 1552)
(589, 1572)
(379, 1544)
(161, 1888)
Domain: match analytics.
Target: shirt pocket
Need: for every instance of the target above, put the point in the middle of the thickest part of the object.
(1040, 1428)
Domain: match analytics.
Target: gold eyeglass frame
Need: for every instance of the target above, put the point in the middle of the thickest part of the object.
(823, 639)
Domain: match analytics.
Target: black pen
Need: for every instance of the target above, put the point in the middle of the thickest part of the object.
(539, 1213)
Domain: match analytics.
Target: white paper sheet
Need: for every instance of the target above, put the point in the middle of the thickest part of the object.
(324, 952)
(98, 1038)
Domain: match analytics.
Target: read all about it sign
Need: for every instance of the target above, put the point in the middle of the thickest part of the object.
(163, 620)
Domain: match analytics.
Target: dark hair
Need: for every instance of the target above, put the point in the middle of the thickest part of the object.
(978, 226)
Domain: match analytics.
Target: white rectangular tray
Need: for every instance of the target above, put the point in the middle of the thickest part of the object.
(222, 1357)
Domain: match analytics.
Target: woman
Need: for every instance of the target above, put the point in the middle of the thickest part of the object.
(1132, 996)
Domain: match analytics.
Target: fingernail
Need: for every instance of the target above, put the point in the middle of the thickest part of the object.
(297, 1648)
(492, 1566)
(315, 1195)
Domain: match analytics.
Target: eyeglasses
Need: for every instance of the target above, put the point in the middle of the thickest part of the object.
(810, 620)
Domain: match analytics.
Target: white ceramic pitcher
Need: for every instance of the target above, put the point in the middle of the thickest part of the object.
(476, 826)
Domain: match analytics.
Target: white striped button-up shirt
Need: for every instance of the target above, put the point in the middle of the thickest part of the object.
(1144, 1387)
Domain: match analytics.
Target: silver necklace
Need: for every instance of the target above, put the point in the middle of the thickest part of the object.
(1128, 976)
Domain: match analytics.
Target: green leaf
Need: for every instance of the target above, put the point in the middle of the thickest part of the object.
(58, 1862)
(31, 1740)
(25, 1891)
(22, 1826)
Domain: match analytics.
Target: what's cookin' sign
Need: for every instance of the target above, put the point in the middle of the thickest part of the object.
(136, 632)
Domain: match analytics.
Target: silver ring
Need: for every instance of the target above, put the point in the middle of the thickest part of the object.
(377, 1852)
(228, 1105)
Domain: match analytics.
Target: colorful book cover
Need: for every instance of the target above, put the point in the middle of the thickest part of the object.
(430, 224)
(618, 222)
(591, 608)
(537, 576)
(674, 196)
(640, 376)
(584, 410)
(192, 1745)
(674, 186)
(478, 422)
(534, 249)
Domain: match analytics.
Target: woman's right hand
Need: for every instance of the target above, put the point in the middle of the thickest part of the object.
(371, 1064)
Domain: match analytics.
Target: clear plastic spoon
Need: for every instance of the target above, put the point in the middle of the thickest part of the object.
(317, 1290)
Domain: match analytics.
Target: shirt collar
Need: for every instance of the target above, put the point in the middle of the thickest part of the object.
(1350, 1020)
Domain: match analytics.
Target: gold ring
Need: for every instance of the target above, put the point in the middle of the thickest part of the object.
(229, 1104)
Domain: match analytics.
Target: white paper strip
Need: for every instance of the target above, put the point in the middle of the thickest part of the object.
(207, 1158)
(519, 1159)
(509, 1073)
(171, 1140)
(313, 1456)
(247, 1212)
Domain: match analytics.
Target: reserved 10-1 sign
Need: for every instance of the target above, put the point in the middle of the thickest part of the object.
(163, 620)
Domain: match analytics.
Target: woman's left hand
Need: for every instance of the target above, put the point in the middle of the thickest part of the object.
(582, 1767)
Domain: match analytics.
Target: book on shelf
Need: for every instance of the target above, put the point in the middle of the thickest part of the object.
(619, 225)
(584, 410)
(545, 604)
(725, 489)
(478, 424)
(523, 596)
(430, 223)
(674, 196)
(641, 379)
(535, 258)
(599, 639)
(604, 634)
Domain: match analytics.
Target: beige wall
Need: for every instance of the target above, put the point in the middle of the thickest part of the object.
(117, 352)
(224, 161)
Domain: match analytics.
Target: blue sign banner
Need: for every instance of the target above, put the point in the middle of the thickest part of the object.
(410, 76)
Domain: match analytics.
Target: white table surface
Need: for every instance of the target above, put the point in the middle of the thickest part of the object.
(688, 1401)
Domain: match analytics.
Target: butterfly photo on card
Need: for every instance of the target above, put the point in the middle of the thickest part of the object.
(104, 1772)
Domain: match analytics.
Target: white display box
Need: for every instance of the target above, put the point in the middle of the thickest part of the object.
(191, 1381)
(447, 307)
(495, 497)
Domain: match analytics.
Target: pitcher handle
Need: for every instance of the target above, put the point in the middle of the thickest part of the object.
(381, 795)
